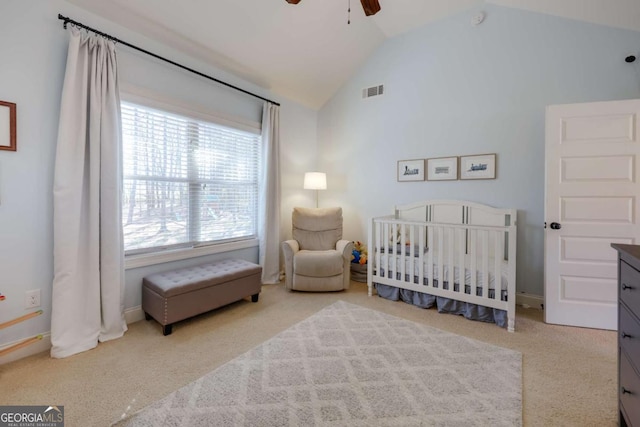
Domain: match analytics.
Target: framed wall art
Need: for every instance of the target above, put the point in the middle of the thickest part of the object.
(442, 169)
(481, 166)
(7, 126)
(411, 170)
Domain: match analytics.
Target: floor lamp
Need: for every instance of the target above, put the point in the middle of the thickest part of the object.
(315, 181)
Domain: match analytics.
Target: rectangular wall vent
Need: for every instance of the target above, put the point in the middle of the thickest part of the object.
(372, 91)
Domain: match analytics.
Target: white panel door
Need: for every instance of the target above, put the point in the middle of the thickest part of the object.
(591, 201)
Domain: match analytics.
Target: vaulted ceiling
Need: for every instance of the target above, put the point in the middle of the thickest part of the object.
(305, 52)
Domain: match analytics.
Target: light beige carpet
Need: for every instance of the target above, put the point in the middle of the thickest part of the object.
(352, 366)
(569, 374)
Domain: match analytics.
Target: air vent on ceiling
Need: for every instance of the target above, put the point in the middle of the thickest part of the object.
(372, 91)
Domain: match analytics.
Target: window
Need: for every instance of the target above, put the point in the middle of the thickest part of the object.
(186, 182)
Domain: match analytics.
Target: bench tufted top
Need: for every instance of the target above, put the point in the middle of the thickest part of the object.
(176, 282)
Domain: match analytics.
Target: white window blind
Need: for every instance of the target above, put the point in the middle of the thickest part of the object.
(186, 182)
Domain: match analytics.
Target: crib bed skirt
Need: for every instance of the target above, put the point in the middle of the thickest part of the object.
(444, 305)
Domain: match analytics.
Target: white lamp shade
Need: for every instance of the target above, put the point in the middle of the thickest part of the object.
(315, 181)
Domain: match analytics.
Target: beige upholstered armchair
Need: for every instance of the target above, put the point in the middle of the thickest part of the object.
(317, 259)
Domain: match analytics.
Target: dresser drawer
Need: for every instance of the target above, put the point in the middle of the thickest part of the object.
(629, 335)
(630, 287)
(630, 398)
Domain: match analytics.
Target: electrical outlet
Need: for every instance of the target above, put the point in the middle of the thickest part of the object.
(32, 299)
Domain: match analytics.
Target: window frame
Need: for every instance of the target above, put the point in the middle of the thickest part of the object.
(140, 258)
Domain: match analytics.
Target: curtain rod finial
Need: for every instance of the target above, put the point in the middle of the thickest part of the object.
(65, 19)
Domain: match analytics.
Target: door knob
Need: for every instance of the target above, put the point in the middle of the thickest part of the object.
(555, 226)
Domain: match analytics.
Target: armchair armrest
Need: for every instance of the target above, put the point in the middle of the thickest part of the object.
(346, 247)
(290, 245)
(289, 249)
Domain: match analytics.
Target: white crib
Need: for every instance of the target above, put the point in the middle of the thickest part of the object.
(427, 246)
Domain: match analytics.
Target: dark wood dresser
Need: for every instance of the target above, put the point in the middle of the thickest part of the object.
(628, 333)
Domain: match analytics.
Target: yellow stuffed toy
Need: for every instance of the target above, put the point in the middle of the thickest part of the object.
(359, 253)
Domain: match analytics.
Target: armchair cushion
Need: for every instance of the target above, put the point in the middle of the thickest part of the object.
(318, 263)
(317, 229)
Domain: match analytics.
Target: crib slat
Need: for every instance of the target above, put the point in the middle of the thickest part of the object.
(378, 248)
(394, 245)
(473, 253)
(380, 239)
(401, 249)
(441, 256)
(412, 255)
(485, 264)
(497, 259)
(462, 270)
(385, 244)
(421, 230)
(430, 231)
(450, 232)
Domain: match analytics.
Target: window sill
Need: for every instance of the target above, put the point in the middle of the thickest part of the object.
(144, 260)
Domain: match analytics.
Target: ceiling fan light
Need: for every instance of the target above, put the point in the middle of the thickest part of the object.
(293, 1)
(371, 7)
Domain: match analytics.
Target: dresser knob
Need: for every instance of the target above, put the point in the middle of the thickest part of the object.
(625, 391)
(625, 287)
(626, 335)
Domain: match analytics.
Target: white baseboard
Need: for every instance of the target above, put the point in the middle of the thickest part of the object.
(530, 301)
(37, 347)
(133, 314)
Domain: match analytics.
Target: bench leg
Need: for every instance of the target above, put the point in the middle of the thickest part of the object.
(167, 329)
(147, 316)
(254, 297)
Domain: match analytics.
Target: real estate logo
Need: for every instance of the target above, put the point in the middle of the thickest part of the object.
(31, 416)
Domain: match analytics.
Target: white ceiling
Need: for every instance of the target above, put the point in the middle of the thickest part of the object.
(305, 52)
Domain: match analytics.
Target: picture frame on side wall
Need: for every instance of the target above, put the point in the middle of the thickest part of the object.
(8, 126)
(480, 166)
(410, 170)
(442, 169)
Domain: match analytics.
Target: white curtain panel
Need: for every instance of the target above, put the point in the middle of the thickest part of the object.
(88, 278)
(269, 220)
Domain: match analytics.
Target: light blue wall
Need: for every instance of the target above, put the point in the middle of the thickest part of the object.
(33, 50)
(454, 89)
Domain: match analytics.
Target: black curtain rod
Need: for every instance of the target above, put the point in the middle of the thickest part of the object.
(68, 20)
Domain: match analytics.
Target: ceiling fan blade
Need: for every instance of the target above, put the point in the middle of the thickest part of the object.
(371, 7)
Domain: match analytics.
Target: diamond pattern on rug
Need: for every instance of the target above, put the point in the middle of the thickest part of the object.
(352, 366)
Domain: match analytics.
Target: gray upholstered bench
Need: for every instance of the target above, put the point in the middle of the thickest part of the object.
(179, 294)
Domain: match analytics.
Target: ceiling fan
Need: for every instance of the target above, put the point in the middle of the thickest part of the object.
(371, 7)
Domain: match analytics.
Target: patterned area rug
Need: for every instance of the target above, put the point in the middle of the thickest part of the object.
(352, 366)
